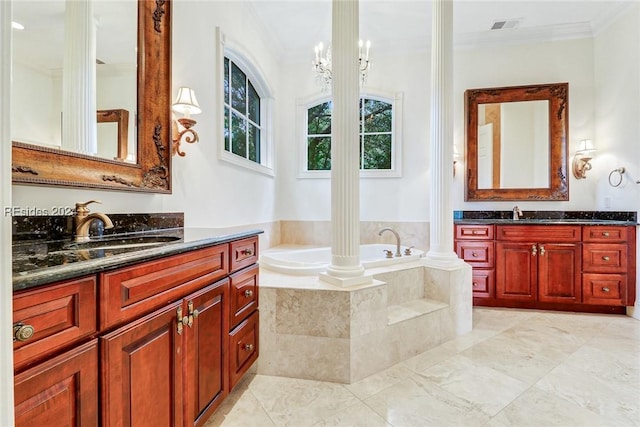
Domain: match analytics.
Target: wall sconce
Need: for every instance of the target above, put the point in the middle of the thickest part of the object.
(456, 156)
(582, 157)
(186, 104)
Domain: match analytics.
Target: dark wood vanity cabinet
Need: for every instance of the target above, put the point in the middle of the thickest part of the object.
(565, 267)
(156, 343)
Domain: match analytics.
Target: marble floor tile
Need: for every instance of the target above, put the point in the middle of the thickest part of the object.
(519, 368)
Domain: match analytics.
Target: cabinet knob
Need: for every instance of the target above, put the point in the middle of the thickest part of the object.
(541, 250)
(605, 234)
(248, 293)
(605, 258)
(475, 284)
(534, 250)
(247, 252)
(248, 347)
(474, 254)
(605, 289)
(22, 332)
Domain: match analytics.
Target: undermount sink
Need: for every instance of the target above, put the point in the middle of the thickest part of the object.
(129, 242)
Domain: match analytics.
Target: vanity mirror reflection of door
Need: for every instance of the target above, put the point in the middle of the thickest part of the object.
(109, 81)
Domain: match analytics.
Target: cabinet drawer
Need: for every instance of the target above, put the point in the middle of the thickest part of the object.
(604, 258)
(130, 292)
(61, 391)
(483, 282)
(244, 253)
(478, 254)
(243, 351)
(605, 289)
(603, 234)
(474, 232)
(59, 314)
(244, 294)
(539, 233)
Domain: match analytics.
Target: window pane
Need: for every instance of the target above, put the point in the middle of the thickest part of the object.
(377, 116)
(254, 104)
(238, 89)
(377, 152)
(319, 119)
(238, 135)
(226, 81)
(319, 153)
(254, 143)
(226, 128)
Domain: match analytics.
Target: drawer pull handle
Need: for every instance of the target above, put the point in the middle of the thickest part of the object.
(22, 332)
(181, 320)
(248, 293)
(541, 250)
(605, 289)
(248, 347)
(247, 252)
(605, 258)
(534, 250)
(605, 234)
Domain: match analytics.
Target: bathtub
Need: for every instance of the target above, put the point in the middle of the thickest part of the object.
(312, 261)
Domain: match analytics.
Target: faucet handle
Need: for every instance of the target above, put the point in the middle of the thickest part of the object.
(82, 207)
(407, 251)
(388, 253)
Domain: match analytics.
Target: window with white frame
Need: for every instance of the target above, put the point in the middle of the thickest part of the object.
(246, 105)
(242, 124)
(378, 136)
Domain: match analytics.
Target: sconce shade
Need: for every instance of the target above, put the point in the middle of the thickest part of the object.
(186, 102)
(586, 148)
(581, 159)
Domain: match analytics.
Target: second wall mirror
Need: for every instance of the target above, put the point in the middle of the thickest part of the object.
(516, 143)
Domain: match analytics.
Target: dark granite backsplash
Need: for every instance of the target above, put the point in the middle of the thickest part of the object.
(61, 227)
(573, 215)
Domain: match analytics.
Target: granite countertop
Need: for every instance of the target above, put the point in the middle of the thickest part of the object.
(624, 218)
(38, 262)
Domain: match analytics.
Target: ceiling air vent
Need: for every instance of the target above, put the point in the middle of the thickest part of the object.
(505, 23)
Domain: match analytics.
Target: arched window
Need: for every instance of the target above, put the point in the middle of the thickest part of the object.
(378, 136)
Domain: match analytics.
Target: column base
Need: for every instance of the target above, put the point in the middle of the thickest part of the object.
(442, 259)
(344, 277)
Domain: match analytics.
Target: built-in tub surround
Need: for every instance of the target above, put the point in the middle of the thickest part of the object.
(314, 330)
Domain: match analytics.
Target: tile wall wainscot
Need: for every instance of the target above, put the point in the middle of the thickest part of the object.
(318, 233)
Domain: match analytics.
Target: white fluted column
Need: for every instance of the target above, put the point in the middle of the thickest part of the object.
(345, 268)
(79, 124)
(441, 158)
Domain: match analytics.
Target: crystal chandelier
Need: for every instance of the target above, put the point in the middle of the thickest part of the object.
(322, 64)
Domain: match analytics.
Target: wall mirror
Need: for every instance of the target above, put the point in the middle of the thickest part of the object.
(516, 143)
(132, 91)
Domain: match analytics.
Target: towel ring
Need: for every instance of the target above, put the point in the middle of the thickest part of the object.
(620, 171)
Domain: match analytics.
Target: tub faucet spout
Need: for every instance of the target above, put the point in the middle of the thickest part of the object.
(395, 233)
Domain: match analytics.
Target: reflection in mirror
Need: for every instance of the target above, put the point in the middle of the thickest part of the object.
(150, 116)
(516, 143)
(98, 48)
(513, 144)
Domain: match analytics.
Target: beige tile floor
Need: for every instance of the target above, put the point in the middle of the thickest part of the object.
(516, 368)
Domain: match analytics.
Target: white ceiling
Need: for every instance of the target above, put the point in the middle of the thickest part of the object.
(296, 26)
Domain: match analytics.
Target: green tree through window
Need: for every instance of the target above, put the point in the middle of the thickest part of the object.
(241, 113)
(376, 135)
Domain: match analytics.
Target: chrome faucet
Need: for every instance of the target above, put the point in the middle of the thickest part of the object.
(83, 220)
(517, 213)
(395, 233)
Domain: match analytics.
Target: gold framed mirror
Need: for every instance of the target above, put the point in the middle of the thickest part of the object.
(39, 165)
(516, 143)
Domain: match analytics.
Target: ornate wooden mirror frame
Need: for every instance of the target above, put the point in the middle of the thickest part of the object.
(35, 165)
(557, 95)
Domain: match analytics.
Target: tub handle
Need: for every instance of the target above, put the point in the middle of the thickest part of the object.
(388, 253)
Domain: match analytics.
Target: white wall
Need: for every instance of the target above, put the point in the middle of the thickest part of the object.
(562, 61)
(210, 192)
(617, 114)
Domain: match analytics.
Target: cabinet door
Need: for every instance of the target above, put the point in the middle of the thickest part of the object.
(243, 348)
(204, 343)
(63, 391)
(516, 271)
(559, 278)
(141, 370)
